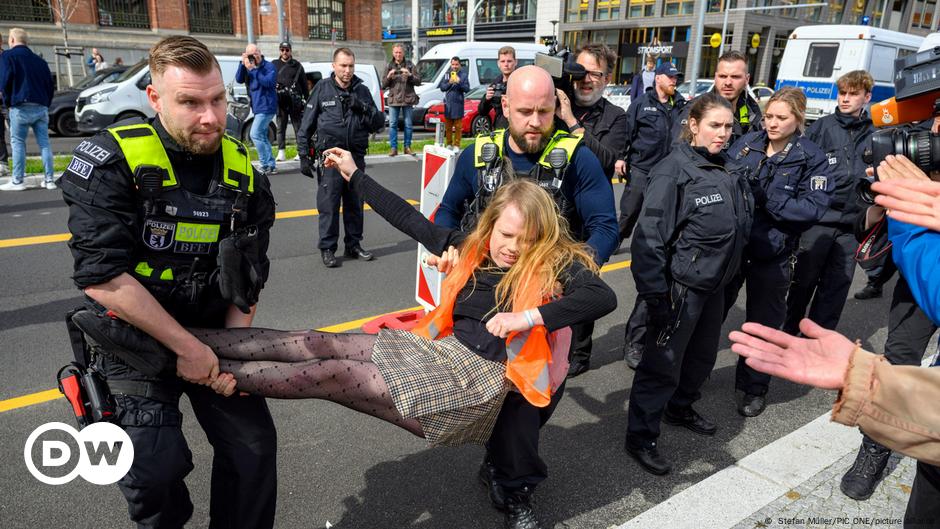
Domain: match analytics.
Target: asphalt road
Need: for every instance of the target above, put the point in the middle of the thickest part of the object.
(350, 470)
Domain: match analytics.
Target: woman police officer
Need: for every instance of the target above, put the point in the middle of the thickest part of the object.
(688, 246)
(792, 187)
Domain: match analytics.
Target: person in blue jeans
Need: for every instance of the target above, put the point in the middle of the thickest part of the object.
(259, 75)
(26, 83)
(401, 78)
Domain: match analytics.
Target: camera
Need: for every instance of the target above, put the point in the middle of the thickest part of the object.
(251, 59)
(499, 90)
(917, 85)
(561, 65)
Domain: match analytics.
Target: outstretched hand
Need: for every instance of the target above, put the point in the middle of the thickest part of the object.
(341, 160)
(446, 262)
(820, 360)
(914, 201)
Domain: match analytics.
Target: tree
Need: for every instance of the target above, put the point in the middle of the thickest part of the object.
(64, 9)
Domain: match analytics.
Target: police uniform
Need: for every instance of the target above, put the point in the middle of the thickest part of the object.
(792, 191)
(747, 118)
(339, 118)
(825, 262)
(165, 232)
(688, 246)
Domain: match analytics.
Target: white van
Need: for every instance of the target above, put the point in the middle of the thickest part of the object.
(816, 56)
(126, 97)
(479, 60)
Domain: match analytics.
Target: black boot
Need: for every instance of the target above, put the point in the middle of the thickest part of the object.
(519, 511)
(750, 405)
(860, 481)
(870, 291)
(689, 419)
(647, 455)
(496, 492)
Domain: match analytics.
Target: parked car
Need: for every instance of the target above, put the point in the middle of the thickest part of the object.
(702, 86)
(618, 94)
(762, 94)
(62, 110)
(473, 122)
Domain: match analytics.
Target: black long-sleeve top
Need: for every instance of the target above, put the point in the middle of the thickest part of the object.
(585, 296)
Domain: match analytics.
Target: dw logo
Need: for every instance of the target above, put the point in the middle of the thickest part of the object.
(104, 453)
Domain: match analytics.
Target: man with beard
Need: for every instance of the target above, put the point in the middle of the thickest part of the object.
(650, 121)
(291, 95)
(604, 131)
(153, 207)
(512, 466)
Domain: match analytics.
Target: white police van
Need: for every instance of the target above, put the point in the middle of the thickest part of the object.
(816, 56)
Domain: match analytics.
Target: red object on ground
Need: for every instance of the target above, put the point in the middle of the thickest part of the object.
(399, 320)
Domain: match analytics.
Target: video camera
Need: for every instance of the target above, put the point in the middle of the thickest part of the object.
(917, 89)
(561, 65)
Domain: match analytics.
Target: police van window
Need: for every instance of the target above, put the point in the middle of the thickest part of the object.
(821, 59)
(882, 62)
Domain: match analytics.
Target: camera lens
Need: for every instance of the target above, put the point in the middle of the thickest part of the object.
(921, 147)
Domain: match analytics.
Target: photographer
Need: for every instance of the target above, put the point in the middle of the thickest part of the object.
(259, 76)
(400, 81)
(497, 89)
(291, 95)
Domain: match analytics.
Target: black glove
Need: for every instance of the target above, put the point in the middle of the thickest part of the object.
(356, 105)
(307, 167)
(760, 196)
(658, 311)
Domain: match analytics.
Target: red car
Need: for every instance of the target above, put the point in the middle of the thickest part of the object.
(473, 122)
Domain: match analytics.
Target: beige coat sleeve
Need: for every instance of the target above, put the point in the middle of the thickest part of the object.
(898, 406)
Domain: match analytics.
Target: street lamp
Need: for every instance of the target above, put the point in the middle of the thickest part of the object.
(471, 19)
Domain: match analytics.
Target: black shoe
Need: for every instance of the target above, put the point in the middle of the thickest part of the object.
(578, 366)
(751, 405)
(647, 455)
(356, 252)
(496, 492)
(869, 292)
(632, 355)
(690, 419)
(519, 511)
(860, 481)
(329, 259)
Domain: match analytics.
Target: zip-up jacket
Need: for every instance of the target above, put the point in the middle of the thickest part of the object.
(747, 118)
(649, 125)
(290, 74)
(605, 127)
(401, 89)
(843, 138)
(261, 82)
(339, 118)
(695, 224)
(792, 191)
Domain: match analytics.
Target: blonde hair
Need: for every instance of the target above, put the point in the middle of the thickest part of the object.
(184, 52)
(795, 99)
(856, 80)
(19, 35)
(548, 250)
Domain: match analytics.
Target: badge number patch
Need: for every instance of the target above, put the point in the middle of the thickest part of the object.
(158, 235)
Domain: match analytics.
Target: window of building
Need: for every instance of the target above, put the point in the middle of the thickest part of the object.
(26, 11)
(396, 14)
(210, 16)
(922, 15)
(641, 8)
(607, 10)
(123, 13)
(577, 11)
(326, 19)
(821, 59)
(679, 7)
(573, 39)
(718, 6)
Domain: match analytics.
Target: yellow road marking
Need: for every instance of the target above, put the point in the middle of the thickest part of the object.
(64, 237)
(53, 394)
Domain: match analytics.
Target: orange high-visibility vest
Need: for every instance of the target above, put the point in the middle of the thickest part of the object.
(527, 353)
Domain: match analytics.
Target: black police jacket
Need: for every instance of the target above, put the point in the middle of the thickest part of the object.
(648, 129)
(495, 103)
(339, 117)
(694, 225)
(290, 74)
(792, 191)
(843, 138)
(605, 129)
(755, 119)
(110, 236)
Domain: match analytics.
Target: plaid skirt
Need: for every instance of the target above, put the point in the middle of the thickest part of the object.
(454, 393)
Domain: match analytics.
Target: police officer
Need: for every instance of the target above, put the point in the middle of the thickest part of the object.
(341, 113)
(151, 207)
(650, 121)
(493, 98)
(685, 251)
(512, 466)
(792, 184)
(825, 263)
(291, 94)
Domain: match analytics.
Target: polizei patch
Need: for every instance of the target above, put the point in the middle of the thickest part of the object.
(158, 235)
(709, 199)
(94, 151)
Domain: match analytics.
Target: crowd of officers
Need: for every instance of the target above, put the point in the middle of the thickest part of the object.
(719, 195)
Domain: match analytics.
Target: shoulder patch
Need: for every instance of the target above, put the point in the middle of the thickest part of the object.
(97, 154)
(80, 168)
(818, 183)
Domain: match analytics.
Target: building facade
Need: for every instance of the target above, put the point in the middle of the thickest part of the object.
(128, 28)
(667, 28)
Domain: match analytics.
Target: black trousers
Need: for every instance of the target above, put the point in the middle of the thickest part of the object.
(332, 190)
(672, 374)
(767, 282)
(909, 329)
(513, 447)
(634, 334)
(581, 342)
(822, 277)
(881, 274)
(631, 201)
(923, 507)
(285, 112)
(244, 467)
